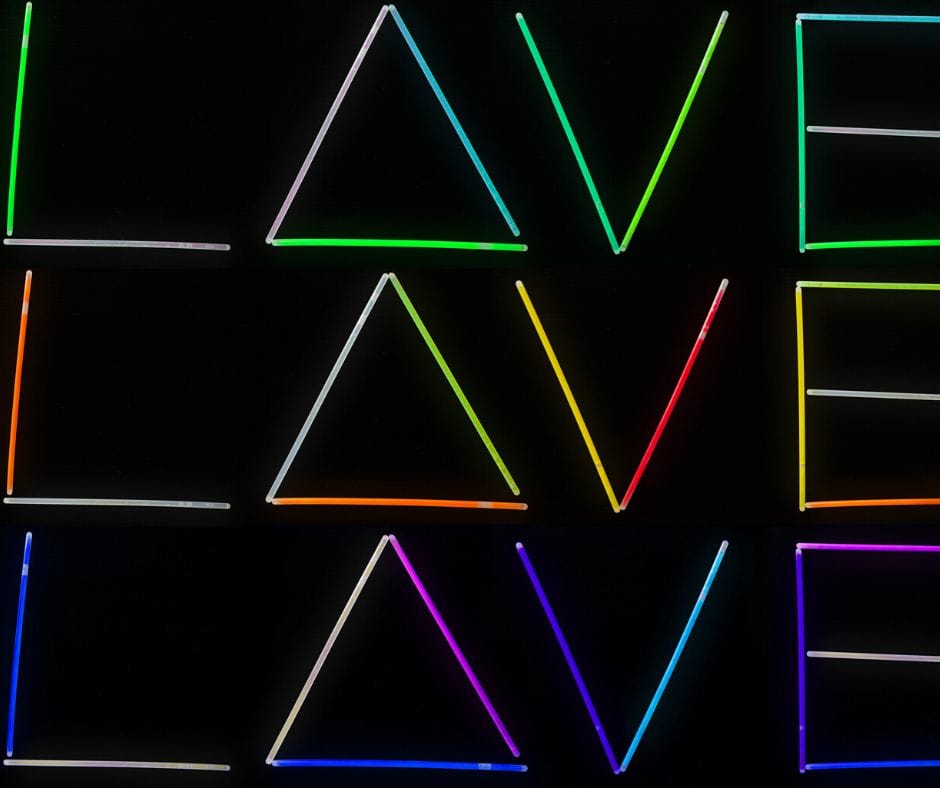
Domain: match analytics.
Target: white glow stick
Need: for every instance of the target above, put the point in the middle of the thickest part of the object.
(873, 657)
(871, 394)
(873, 132)
(118, 244)
(117, 502)
(195, 767)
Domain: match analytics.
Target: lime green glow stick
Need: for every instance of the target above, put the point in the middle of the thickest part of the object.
(396, 243)
(17, 115)
(675, 131)
(569, 132)
(872, 244)
(801, 131)
(871, 285)
(419, 324)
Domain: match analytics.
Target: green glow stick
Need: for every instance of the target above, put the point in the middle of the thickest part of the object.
(871, 285)
(419, 324)
(17, 115)
(801, 132)
(872, 244)
(675, 131)
(569, 132)
(399, 243)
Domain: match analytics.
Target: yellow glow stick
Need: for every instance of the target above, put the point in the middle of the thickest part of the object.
(801, 399)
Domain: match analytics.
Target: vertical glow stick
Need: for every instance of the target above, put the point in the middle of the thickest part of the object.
(325, 652)
(801, 663)
(17, 117)
(670, 406)
(17, 380)
(675, 656)
(451, 641)
(801, 396)
(801, 131)
(18, 643)
(675, 131)
(471, 414)
(572, 404)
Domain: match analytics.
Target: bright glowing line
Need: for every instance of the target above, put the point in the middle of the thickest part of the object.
(365, 764)
(18, 642)
(440, 503)
(873, 502)
(118, 244)
(870, 285)
(330, 379)
(325, 652)
(854, 394)
(445, 104)
(17, 117)
(867, 18)
(801, 662)
(397, 243)
(873, 244)
(569, 658)
(869, 548)
(675, 131)
(813, 767)
(325, 127)
(566, 389)
(674, 398)
(139, 502)
(801, 133)
(675, 656)
(865, 656)
(192, 767)
(432, 346)
(451, 641)
(873, 132)
(801, 397)
(17, 380)
(569, 132)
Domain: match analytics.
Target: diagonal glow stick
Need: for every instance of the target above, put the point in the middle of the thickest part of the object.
(174, 765)
(566, 389)
(855, 394)
(451, 641)
(118, 244)
(468, 409)
(17, 380)
(683, 639)
(374, 764)
(801, 397)
(873, 132)
(397, 243)
(868, 657)
(674, 135)
(674, 398)
(440, 503)
(873, 502)
(18, 643)
(325, 127)
(325, 652)
(801, 132)
(330, 379)
(801, 662)
(126, 502)
(17, 117)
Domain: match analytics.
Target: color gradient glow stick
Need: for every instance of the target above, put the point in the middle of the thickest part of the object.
(173, 765)
(867, 18)
(18, 643)
(873, 502)
(325, 652)
(130, 502)
(674, 398)
(432, 346)
(868, 657)
(18, 380)
(873, 244)
(674, 135)
(855, 394)
(843, 547)
(377, 764)
(569, 658)
(569, 132)
(801, 133)
(914, 286)
(861, 131)
(118, 244)
(445, 631)
(17, 117)
(440, 503)
(569, 396)
(397, 243)
(801, 397)
(801, 664)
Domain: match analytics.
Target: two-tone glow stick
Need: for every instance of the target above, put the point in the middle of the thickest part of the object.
(868, 132)
(674, 398)
(461, 766)
(18, 643)
(122, 502)
(398, 243)
(118, 244)
(801, 397)
(801, 664)
(17, 117)
(865, 656)
(856, 394)
(438, 503)
(72, 764)
(18, 380)
(801, 133)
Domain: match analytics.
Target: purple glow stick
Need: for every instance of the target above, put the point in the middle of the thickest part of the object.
(871, 548)
(569, 658)
(801, 656)
(445, 631)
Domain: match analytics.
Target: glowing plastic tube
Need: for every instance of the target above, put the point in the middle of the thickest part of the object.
(17, 381)
(801, 662)
(869, 548)
(873, 502)
(444, 765)
(868, 657)
(118, 244)
(445, 104)
(854, 394)
(873, 244)
(870, 285)
(674, 398)
(396, 243)
(325, 127)
(330, 379)
(675, 131)
(801, 397)
(174, 765)
(815, 767)
(130, 502)
(324, 653)
(17, 117)
(801, 132)
(445, 631)
(18, 643)
(867, 18)
(683, 639)
(861, 131)
(432, 346)
(569, 658)
(569, 132)
(439, 503)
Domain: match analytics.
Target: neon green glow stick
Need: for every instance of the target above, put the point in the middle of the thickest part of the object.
(399, 243)
(569, 132)
(801, 132)
(17, 115)
(871, 285)
(419, 324)
(675, 131)
(873, 244)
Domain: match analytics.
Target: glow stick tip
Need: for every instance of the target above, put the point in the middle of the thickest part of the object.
(519, 15)
(723, 286)
(723, 18)
(724, 546)
(519, 546)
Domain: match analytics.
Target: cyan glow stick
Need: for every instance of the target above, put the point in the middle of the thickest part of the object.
(816, 767)
(118, 244)
(18, 643)
(854, 394)
(867, 657)
(867, 18)
(71, 764)
(375, 764)
(873, 132)
(801, 135)
(129, 502)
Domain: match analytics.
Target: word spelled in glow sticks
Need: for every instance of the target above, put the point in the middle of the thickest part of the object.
(18, 380)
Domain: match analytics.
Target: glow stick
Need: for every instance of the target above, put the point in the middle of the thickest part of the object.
(18, 642)
(569, 132)
(854, 394)
(325, 127)
(445, 105)
(419, 324)
(17, 380)
(330, 379)
(873, 244)
(396, 243)
(325, 652)
(869, 548)
(813, 767)
(17, 117)
(674, 398)
(801, 664)
(872, 132)
(675, 131)
(365, 764)
(417, 502)
(867, 18)
(566, 389)
(134, 502)
(118, 244)
(801, 396)
(873, 502)
(861, 655)
(674, 660)
(195, 767)
(914, 286)
(451, 641)
(569, 658)
(801, 132)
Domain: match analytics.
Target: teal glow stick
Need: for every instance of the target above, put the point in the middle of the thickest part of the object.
(569, 132)
(873, 244)
(397, 243)
(17, 117)
(871, 285)
(419, 324)
(675, 131)
(801, 131)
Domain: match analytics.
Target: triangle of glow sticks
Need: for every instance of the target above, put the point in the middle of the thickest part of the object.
(273, 760)
(271, 237)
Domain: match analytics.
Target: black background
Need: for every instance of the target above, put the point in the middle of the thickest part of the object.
(185, 635)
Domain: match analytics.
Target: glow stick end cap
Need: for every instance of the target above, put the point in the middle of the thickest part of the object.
(723, 18)
(724, 285)
(519, 546)
(518, 15)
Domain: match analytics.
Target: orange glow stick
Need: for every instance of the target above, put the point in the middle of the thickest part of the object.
(442, 503)
(17, 380)
(874, 502)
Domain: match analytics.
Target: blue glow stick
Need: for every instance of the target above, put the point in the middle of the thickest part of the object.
(361, 764)
(675, 656)
(17, 642)
(453, 119)
(867, 18)
(870, 765)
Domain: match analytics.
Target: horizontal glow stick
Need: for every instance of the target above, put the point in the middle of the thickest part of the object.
(193, 767)
(873, 502)
(446, 765)
(873, 244)
(18, 642)
(854, 394)
(423, 502)
(451, 641)
(867, 18)
(869, 548)
(18, 380)
(870, 285)
(398, 243)
(861, 655)
(873, 132)
(814, 767)
(118, 244)
(117, 502)
(325, 652)
(17, 116)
